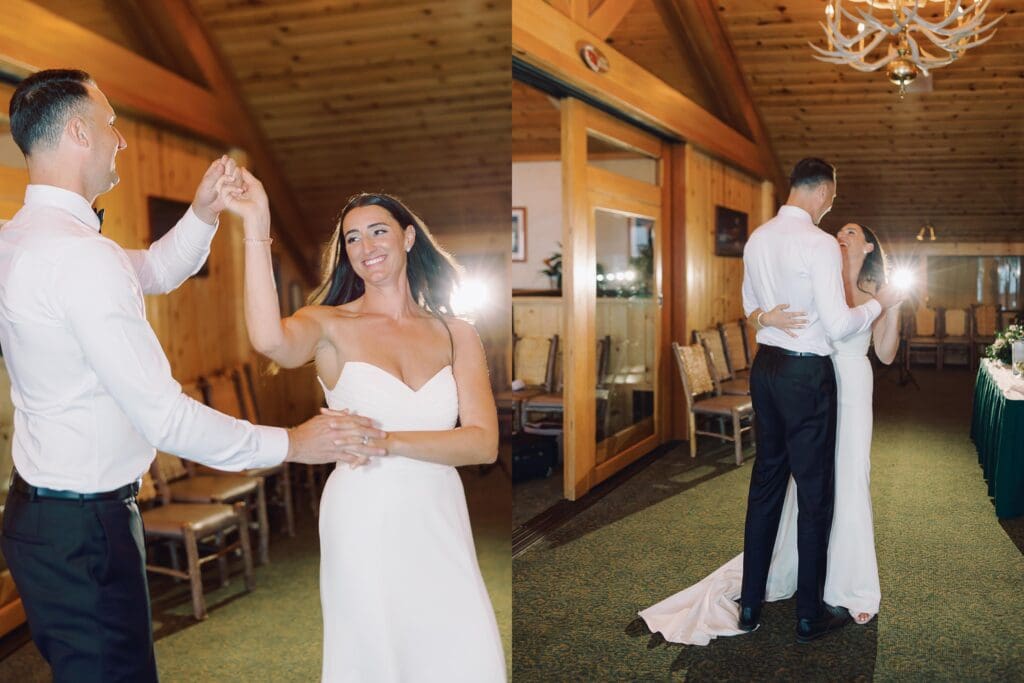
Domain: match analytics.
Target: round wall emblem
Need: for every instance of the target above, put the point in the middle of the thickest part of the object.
(593, 58)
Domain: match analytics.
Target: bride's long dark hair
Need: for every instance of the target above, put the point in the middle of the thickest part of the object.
(874, 267)
(431, 271)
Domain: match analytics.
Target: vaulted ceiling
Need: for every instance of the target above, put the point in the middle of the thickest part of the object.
(953, 156)
(410, 97)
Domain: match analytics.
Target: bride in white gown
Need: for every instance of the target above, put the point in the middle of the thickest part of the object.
(709, 609)
(400, 587)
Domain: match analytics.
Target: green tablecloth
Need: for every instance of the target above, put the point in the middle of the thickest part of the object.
(997, 429)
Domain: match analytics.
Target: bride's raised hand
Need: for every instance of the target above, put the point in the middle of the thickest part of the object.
(244, 195)
(785, 320)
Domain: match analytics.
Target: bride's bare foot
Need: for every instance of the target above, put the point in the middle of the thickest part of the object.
(862, 618)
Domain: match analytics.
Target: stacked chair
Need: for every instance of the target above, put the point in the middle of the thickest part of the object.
(955, 336)
(983, 330)
(703, 398)
(200, 529)
(721, 374)
(534, 360)
(922, 335)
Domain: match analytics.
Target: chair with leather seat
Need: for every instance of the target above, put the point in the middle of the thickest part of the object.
(724, 381)
(200, 529)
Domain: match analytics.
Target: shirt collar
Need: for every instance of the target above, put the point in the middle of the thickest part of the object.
(795, 212)
(57, 197)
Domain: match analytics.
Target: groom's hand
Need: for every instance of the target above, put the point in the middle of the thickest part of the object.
(336, 436)
(209, 199)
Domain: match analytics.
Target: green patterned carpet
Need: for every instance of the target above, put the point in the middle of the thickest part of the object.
(274, 633)
(952, 598)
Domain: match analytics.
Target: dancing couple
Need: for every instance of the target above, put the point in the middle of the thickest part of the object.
(402, 594)
(818, 303)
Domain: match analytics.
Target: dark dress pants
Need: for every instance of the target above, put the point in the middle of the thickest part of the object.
(795, 405)
(80, 570)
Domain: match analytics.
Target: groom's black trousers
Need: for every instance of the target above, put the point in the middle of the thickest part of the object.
(79, 567)
(795, 407)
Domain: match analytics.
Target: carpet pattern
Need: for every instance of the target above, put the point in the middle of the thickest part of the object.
(274, 633)
(952, 604)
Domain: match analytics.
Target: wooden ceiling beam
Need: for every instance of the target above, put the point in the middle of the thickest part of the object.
(33, 38)
(292, 226)
(609, 14)
(696, 28)
(546, 39)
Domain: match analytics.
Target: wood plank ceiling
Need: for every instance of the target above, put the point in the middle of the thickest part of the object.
(411, 97)
(953, 157)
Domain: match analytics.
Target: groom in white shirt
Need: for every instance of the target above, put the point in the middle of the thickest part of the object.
(93, 392)
(789, 260)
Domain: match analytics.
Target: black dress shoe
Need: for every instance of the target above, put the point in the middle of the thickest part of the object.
(750, 618)
(831, 619)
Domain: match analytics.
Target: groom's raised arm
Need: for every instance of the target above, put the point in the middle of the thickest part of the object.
(840, 320)
(180, 253)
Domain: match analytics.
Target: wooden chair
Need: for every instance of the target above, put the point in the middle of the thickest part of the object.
(735, 349)
(983, 330)
(188, 525)
(711, 340)
(696, 377)
(1009, 316)
(224, 393)
(749, 341)
(534, 363)
(921, 335)
(956, 336)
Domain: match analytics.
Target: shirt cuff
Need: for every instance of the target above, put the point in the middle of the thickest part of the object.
(876, 307)
(273, 446)
(193, 218)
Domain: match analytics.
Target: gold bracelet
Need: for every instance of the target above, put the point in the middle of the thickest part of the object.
(257, 240)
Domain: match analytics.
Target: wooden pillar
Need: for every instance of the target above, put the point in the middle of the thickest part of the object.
(578, 294)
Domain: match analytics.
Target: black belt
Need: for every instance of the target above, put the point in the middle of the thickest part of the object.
(787, 352)
(125, 493)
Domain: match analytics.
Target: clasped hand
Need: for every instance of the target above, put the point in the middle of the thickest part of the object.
(336, 436)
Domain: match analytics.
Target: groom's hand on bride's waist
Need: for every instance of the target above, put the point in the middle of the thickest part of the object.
(335, 436)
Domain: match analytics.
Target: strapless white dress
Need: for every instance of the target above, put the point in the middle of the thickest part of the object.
(708, 609)
(400, 586)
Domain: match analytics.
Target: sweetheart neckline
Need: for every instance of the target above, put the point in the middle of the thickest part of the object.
(392, 376)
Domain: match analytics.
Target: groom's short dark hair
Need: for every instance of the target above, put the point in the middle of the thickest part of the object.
(43, 103)
(811, 172)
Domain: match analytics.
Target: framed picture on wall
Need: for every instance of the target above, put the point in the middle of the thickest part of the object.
(164, 214)
(518, 233)
(730, 232)
(639, 236)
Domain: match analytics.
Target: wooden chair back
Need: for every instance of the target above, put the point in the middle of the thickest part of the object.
(984, 320)
(604, 355)
(693, 371)
(954, 323)
(1008, 317)
(147, 491)
(223, 394)
(711, 340)
(531, 360)
(749, 341)
(247, 388)
(735, 353)
(165, 469)
(924, 322)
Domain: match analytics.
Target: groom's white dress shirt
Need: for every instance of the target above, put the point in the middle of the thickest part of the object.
(92, 389)
(790, 260)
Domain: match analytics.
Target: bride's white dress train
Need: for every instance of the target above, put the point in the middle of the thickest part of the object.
(707, 610)
(401, 590)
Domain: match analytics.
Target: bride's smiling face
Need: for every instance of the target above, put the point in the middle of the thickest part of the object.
(851, 240)
(375, 243)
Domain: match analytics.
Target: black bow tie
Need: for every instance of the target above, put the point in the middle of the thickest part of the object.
(99, 215)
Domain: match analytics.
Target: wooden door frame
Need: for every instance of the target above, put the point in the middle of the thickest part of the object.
(583, 188)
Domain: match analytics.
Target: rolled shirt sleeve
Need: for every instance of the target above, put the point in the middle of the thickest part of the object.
(102, 301)
(840, 320)
(175, 257)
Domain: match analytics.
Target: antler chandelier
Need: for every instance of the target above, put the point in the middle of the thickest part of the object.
(858, 40)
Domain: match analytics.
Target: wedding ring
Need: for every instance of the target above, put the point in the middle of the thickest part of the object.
(366, 439)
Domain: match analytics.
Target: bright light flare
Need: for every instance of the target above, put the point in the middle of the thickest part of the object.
(902, 278)
(470, 297)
